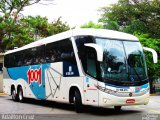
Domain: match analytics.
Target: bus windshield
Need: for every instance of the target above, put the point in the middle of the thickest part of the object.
(123, 62)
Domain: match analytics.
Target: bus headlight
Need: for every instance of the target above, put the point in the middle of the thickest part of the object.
(104, 89)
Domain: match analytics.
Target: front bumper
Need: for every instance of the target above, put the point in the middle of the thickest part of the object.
(106, 100)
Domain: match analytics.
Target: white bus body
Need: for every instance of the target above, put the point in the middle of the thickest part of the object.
(83, 66)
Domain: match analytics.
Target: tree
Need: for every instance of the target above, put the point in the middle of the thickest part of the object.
(136, 26)
(29, 29)
(58, 26)
(112, 25)
(91, 25)
(39, 26)
(13, 7)
(10, 17)
(131, 14)
(16, 35)
(147, 41)
(17, 30)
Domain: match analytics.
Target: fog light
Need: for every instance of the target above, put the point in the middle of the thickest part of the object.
(105, 100)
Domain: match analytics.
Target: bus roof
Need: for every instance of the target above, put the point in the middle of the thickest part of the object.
(79, 32)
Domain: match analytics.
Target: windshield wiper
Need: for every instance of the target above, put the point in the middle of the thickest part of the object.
(135, 73)
(131, 62)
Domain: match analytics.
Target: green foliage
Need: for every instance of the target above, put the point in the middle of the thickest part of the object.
(147, 41)
(58, 26)
(91, 25)
(137, 26)
(11, 32)
(38, 26)
(29, 29)
(14, 35)
(16, 31)
(134, 15)
(112, 25)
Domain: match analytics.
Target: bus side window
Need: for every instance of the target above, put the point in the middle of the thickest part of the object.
(87, 55)
(27, 57)
(67, 53)
(91, 62)
(18, 59)
(7, 61)
(12, 60)
(52, 52)
(60, 51)
(38, 55)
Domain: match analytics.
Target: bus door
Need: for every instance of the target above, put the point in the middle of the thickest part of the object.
(90, 81)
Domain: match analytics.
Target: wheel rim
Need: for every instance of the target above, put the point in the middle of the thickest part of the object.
(20, 95)
(74, 98)
(13, 94)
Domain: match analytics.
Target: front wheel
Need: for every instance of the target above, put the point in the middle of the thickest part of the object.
(117, 108)
(78, 102)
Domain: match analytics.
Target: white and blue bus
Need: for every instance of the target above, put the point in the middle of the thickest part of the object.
(82, 66)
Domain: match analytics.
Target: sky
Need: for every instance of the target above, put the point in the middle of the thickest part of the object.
(74, 12)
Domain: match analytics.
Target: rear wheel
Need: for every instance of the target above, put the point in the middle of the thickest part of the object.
(20, 95)
(78, 102)
(14, 95)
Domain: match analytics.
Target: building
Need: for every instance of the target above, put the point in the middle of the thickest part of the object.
(1, 71)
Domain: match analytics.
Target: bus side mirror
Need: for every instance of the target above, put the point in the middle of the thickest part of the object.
(98, 49)
(154, 54)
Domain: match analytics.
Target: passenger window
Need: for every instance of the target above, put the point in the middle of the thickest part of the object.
(37, 55)
(27, 57)
(67, 53)
(12, 60)
(18, 59)
(60, 51)
(6, 61)
(52, 52)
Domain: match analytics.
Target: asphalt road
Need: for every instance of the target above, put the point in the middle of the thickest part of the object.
(41, 110)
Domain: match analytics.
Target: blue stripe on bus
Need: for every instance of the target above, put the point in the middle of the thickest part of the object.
(142, 86)
(116, 86)
(21, 73)
(24, 72)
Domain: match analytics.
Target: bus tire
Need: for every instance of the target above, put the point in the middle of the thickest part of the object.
(78, 102)
(14, 95)
(20, 94)
(117, 108)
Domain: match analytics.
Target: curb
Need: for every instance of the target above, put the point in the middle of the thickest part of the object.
(2, 94)
(154, 95)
